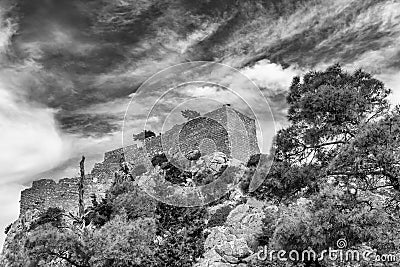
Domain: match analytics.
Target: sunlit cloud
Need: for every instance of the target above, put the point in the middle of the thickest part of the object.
(65, 84)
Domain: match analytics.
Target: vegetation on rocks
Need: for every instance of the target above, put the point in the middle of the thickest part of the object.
(334, 177)
(335, 173)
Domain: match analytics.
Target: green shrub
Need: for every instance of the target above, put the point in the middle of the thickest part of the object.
(253, 161)
(139, 170)
(7, 229)
(183, 232)
(220, 216)
(136, 204)
(99, 213)
(53, 216)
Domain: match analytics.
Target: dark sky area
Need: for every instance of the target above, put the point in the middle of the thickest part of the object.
(69, 68)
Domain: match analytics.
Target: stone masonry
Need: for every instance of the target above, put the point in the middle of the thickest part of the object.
(224, 129)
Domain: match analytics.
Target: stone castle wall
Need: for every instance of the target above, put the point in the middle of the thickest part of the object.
(215, 126)
(153, 146)
(202, 129)
(243, 135)
(220, 126)
(47, 193)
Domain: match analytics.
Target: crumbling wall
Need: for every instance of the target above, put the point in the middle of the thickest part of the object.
(153, 146)
(198, 129)
(47, 193)
(214, 125)
(221, 126)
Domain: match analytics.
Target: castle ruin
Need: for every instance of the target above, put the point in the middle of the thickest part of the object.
(224, 129)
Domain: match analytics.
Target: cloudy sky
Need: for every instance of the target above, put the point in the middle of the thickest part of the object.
(69, 68)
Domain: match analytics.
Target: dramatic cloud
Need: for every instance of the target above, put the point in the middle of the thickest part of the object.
(271, 76)
(274, 81)
(31, 142)
(69, 67)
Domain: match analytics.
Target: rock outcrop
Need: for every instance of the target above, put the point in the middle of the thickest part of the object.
(232, 238)
(16, 236)
(234, 242)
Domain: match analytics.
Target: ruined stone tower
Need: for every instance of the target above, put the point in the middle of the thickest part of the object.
(224, 129)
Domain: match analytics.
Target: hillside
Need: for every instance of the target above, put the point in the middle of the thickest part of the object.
(332, 184)
(240, 133)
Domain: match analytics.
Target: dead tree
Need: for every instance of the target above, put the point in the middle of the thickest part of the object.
(81, 210)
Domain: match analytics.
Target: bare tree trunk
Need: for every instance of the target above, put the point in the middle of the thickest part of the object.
(80, 188)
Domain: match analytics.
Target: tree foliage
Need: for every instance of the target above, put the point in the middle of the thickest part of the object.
(99, 213)
(123, 242)
(7, 229)
(190, 114)
(334, 176)
(49, 244)
(126, 228)
(183, 229)
(143, 135)
(328, 111)
(53, 216)
(336, 166)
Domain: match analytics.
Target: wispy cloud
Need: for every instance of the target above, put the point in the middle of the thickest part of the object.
(66, 77)
(31, 141)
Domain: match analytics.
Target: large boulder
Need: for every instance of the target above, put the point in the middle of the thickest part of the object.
(218, 162)
(234, 243)
(13, 249)
(193, 155)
